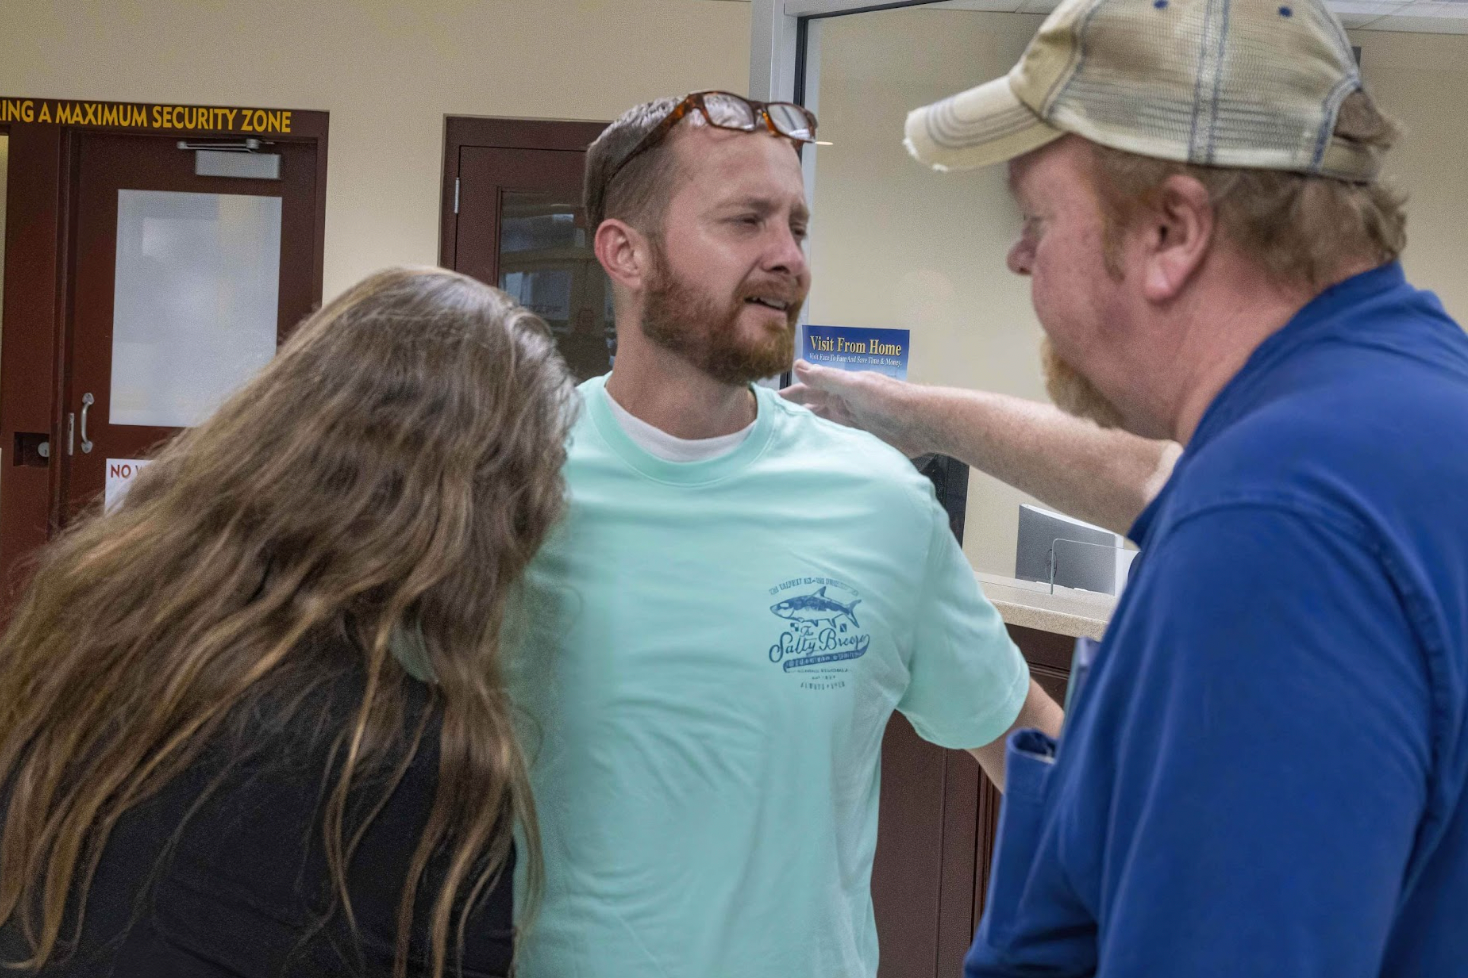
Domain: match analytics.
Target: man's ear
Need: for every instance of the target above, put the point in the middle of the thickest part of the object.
(624, 252)
(1180, 226)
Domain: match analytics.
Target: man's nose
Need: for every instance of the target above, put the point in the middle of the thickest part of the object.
(786, 255)
(1020, 257)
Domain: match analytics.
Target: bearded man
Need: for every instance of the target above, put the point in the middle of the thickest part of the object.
(1265, 771)
(740, 595)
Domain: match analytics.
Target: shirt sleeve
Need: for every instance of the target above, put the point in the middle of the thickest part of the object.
(967, 679)
(1257, 765)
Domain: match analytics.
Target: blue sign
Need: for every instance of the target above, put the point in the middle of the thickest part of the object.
(857, 348)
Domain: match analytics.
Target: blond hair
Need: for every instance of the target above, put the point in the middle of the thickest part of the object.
(394, 468)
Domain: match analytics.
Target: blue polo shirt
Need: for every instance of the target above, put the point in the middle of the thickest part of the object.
(1264, 772)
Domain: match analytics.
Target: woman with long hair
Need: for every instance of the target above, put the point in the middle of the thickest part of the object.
(215, 757)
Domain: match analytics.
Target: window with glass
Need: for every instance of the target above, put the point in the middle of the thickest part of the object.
(547, 265)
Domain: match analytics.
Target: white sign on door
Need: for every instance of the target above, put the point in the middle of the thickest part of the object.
(120, 474)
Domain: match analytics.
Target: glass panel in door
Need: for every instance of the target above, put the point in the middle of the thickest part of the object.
(546, 263)
(195, 303)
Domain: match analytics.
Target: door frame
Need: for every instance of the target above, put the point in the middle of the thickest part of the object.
(35, 340)
(785, 66)
(497, 133)
(778, 42)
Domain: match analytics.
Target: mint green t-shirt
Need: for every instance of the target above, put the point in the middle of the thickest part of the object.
(714, 650)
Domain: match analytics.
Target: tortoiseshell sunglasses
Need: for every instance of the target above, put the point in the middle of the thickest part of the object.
(725, 110)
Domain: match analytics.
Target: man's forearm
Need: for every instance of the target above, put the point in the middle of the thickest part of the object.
(1039, 712)
(1103, 476)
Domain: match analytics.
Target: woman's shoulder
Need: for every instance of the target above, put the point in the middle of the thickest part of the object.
(243, 831)
(277, 759)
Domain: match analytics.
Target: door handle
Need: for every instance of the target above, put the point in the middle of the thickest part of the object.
(87, 401)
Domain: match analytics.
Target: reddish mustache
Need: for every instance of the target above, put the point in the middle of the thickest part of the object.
(780, 293)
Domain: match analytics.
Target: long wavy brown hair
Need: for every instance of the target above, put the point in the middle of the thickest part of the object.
(391, 471)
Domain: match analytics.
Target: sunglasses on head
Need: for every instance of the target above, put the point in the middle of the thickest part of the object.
(725, 110)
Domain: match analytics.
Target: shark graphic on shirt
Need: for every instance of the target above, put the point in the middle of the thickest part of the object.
(816, 607)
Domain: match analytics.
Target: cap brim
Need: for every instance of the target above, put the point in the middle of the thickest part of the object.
(979, 127)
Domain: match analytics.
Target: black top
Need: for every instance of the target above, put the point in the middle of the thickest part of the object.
(245, 892)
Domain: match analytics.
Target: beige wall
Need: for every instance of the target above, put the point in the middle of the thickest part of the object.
(388, 71)
(896, 245)
(1422, 80)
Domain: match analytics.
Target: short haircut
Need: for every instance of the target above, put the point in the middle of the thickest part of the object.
(641, 190)
(1300, 228)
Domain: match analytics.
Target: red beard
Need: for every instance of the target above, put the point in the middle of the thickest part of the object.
(1074, 393)
(706, 333)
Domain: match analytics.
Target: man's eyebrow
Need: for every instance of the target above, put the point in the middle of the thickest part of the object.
(767, 205)
(763, 205)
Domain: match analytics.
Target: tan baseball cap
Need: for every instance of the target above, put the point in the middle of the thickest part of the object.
(1236, 83)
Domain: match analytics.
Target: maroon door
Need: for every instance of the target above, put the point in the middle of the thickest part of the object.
(517, 223)
(167, 266)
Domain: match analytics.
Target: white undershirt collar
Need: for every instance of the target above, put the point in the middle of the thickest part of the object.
(658, 443)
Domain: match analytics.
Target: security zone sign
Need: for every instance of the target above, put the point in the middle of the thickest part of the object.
(146, 116)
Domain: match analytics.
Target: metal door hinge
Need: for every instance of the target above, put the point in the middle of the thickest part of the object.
(456, 195)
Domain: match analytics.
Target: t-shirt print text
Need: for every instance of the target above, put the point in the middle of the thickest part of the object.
(821, 634)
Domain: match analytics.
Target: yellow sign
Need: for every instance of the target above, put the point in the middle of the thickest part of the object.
(146, 116)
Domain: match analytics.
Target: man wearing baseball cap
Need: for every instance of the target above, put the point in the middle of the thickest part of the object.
(1265, 766)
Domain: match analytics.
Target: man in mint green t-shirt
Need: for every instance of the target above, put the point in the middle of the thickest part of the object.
(739, 597)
